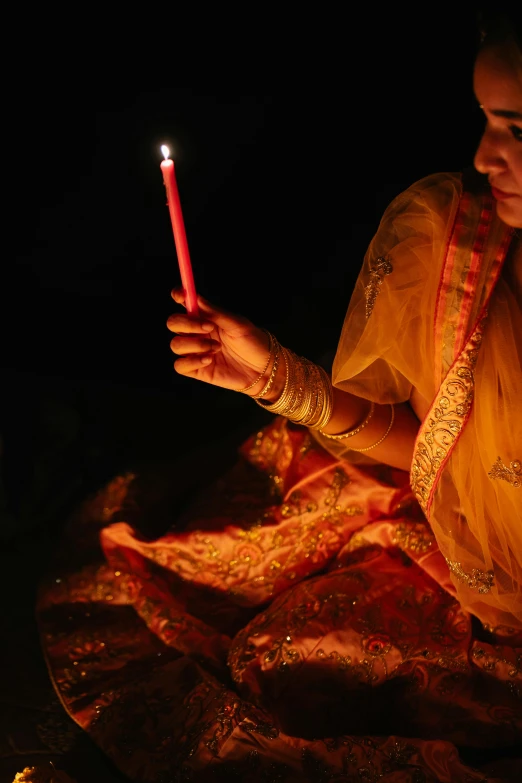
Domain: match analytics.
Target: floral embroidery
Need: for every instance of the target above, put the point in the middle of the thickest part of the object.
(513, 474)
(336, 513)
(309, 535)
(280, 651)
(382, 268)
(343, 661)
(224, 719)
(515, 666)
(294, 508)
(444, 422)
(476, 579)
(413, 536)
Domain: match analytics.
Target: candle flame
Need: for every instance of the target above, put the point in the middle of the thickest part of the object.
(165, 150)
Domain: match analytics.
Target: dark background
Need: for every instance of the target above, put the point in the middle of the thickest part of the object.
(291, 134)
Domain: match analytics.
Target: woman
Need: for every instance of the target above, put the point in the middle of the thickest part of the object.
(324, 612)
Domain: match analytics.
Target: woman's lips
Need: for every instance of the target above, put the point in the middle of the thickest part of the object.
(501, 195)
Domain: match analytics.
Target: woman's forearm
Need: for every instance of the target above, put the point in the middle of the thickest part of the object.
(396, 448)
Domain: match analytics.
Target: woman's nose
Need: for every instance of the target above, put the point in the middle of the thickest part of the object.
(488, 157)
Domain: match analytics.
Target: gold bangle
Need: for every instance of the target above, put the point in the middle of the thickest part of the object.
(279, 405)
(390, 425)
(270, 382)
(303, 391)
(327, 407)
(351, 433)
(321, 410)
(261, 376)
(307, 396)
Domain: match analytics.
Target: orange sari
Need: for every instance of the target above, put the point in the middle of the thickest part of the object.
(300, 621)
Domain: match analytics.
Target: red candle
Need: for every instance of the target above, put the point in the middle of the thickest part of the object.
(180, 238)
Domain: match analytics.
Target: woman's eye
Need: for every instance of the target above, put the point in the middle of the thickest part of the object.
(516, 131)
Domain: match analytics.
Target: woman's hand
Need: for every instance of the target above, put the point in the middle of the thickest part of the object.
(218, 347)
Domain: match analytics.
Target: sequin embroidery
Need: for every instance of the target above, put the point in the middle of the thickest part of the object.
(413, 536)
(382, 268)
(511, 474)
(482, 581)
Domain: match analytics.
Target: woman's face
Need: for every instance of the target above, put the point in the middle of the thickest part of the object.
(498, 87)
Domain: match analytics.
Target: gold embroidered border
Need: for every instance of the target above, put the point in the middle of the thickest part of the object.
(444, 422)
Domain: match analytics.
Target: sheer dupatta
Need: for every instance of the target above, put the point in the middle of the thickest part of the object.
(431, 310)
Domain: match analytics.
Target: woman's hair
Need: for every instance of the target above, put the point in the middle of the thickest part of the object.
(499, 24)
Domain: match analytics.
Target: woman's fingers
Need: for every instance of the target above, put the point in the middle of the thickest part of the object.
(178, 294)
(185, 324)
(188, 365)
(222, 318)
(192, 345)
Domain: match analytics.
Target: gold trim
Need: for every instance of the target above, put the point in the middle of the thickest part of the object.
(444, 422)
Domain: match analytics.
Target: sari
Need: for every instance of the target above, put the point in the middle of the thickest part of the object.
(315, 615)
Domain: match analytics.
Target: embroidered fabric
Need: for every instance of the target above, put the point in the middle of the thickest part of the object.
(511, 474)
(233, 642)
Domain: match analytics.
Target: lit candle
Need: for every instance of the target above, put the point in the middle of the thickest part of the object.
(178, 227)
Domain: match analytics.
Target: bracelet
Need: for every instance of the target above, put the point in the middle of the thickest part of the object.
(307, 396)
(279, 405)
(261, 376)
(351, 433)
(390, 425)
(270, 382)
(327, 407)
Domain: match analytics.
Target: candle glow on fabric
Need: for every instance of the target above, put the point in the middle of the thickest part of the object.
(178, 228)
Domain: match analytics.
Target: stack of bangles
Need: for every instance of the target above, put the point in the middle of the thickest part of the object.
(307, 396)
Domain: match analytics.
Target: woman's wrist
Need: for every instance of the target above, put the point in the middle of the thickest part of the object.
(302, 394)
(277, 384)
(336, 411)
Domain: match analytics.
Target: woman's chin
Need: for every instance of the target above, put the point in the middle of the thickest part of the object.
(510, 211)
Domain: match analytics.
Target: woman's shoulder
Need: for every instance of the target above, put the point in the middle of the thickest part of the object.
(443, 188)
(434, 191)
(423, 209)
